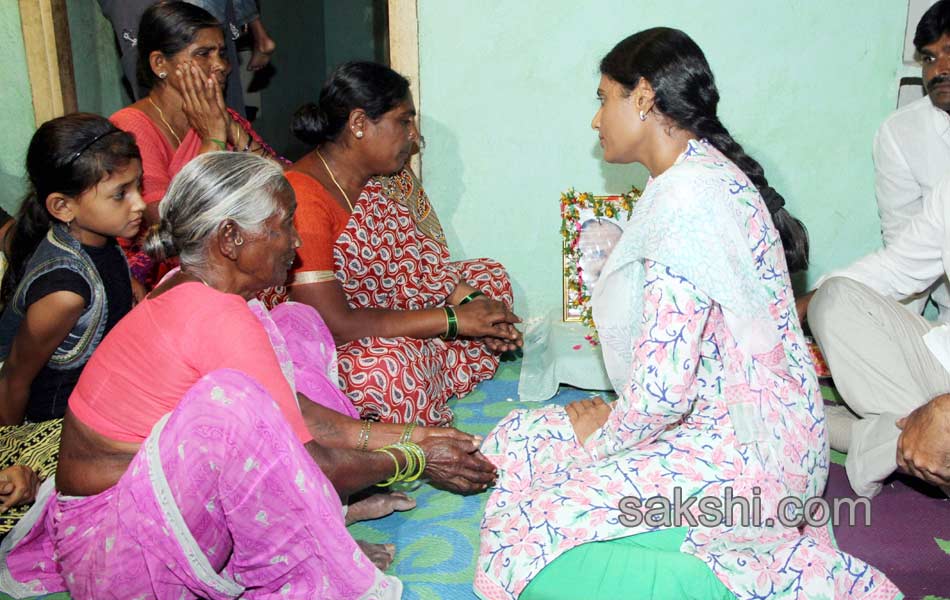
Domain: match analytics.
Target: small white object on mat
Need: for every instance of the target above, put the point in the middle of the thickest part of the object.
(557, 353)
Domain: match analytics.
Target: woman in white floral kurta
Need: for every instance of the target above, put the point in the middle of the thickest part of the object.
(715, 387)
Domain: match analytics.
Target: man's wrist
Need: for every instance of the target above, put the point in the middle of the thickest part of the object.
(942, 401)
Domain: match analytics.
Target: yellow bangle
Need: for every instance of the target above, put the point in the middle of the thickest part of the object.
(407, 433)
(418, 460)
(395, 476)
(415, 462)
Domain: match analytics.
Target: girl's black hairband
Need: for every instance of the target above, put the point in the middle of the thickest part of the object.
(87, 145)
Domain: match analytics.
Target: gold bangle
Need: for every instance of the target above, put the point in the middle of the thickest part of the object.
(363, 440)
(407, 433)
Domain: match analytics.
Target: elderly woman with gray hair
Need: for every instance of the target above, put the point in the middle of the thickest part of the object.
(195, 460)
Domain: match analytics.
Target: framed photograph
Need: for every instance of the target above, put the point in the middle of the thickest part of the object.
(590, 228)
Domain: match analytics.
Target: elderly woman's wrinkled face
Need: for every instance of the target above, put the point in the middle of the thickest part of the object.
(268, 255)
(391, 139)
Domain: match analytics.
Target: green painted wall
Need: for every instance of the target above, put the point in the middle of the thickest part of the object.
(17, 103)
(299, 69)
(508, 97)
(349, 31)
(99, 87)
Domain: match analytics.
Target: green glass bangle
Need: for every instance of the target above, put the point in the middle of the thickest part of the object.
(395, 476)
(471, 297)
(219, 143)
(415, 461)
(451, 325)
(407, 433)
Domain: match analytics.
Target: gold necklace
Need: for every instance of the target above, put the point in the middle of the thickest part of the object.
(337, 183)
(161, 116)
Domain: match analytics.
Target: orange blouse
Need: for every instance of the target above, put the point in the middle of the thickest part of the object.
(320, 220)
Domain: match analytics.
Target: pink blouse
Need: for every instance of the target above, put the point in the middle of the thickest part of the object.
(160, 349)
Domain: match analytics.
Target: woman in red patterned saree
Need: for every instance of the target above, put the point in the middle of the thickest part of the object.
(412, 327)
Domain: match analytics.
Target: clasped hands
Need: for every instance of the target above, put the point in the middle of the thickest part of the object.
(490, 321)
(454, 462)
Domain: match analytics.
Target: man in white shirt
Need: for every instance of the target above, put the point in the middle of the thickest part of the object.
(892, 367)
(912, 150)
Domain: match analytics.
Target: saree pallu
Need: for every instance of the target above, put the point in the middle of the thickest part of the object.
(383, 260)
(221, 501)
(304, 346)
(35, 445)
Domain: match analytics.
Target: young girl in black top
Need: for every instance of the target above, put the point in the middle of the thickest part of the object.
(67, 282)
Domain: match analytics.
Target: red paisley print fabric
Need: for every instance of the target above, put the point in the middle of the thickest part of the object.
(382, 260)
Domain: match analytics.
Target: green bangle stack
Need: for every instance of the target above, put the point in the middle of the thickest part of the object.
(415, 462)
(451, 324)
(471, 297)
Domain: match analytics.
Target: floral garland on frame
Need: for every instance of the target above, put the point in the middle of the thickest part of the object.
(577, 305)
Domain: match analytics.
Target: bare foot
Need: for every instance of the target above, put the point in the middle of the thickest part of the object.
(587, 416)
(264, 46)
(381, 555)
(378, 506)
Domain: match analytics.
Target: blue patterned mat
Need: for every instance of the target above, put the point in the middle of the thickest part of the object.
(436, 543)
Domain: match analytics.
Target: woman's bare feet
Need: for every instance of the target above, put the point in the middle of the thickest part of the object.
(380, 554)
(587, 416)
(263, 46)
(378, 506)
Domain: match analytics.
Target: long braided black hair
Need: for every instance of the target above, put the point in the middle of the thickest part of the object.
(685, 92)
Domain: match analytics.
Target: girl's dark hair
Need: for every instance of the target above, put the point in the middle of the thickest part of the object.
(933, 25)
(375, 88)
(168, 27)
(686, 93)
(67, 155)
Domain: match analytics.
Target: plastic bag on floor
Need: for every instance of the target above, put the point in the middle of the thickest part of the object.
(557, 353)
